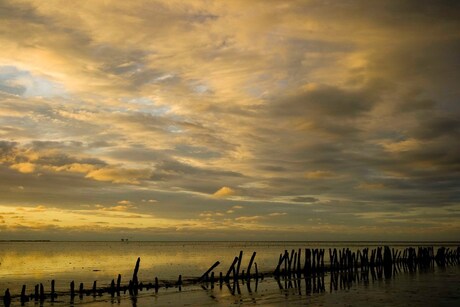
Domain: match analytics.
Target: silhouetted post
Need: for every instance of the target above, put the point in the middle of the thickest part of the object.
(313, 267)
(36, 292)
(7, 298)
(231, 269)
(290, 262)
(135, 280)
(387, 262)
(280, 261)
(257, 271)
(53, 292)
(212, 280)
(250, 265)
(118, 284)
(24, 297)
(42, 292)
(209, 270)
(95, 287)
(72, 289)
(286, 261)
(80, 290)
(307, 267)
(112, 288)
(240, 258)
(156, 285)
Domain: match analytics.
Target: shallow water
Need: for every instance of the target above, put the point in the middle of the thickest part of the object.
(31, 263)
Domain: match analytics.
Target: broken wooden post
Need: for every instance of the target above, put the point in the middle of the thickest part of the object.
(250, 265)
(240, 258)
(53, 293)
(135, 279)
(118, 284)
(280, 261)
(36, 293)
(42, 292)
(80, 290)
(7, 298)
(231, 269)
(208, 271)
(24, 297)
(72, 289)
(94, 288)
(112, 288)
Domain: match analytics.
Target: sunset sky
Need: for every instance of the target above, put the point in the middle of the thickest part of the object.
(240, 120)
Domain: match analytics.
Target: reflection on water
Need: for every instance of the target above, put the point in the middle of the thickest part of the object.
(32, 263)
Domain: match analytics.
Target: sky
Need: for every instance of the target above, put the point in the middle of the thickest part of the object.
(230, 120)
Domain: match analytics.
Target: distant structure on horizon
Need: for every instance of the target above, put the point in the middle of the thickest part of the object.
(124, 240)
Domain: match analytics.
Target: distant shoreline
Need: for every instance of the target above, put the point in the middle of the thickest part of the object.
(25, 240)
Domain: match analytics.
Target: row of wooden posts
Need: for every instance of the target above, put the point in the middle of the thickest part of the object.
(344, 259)
(289, 263)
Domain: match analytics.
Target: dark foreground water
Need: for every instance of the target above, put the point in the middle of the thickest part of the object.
(32, 263)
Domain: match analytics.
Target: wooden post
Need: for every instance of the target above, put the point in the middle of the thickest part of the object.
(24, 297)
(250, 265)
(53, 293)
(112, 288)
(72, 289)
(136, 270)
(118, 284)
(230, 270)
(94, 287)
(156, 285)
(209, 270)
(7, 298)
(240, 258)
(80, 290)
(278, 267)
(36, 293)
(42, 292)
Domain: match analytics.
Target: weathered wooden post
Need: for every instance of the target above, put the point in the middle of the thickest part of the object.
(231, 269)
(118, 284)
(179, 282)
(250, 265)
(95, 288)
(80, 290)
(7, 298)
(307, 267)
(24, 297)
(240, 258)
(72, 289)
(53, 292)
(42, 292)
(280, 261)
(156, 285)
(112, 288)
(36, 292)
(208, 271)
(135, 279)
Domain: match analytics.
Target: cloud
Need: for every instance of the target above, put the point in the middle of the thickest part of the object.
(24, 167)
(292, 109)
(224, 192)
(119, 175)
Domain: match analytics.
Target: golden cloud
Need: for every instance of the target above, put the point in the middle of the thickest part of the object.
(119, 175)
(24, 167)
(224, 192)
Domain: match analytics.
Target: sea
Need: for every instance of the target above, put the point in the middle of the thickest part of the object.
(30, 263)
